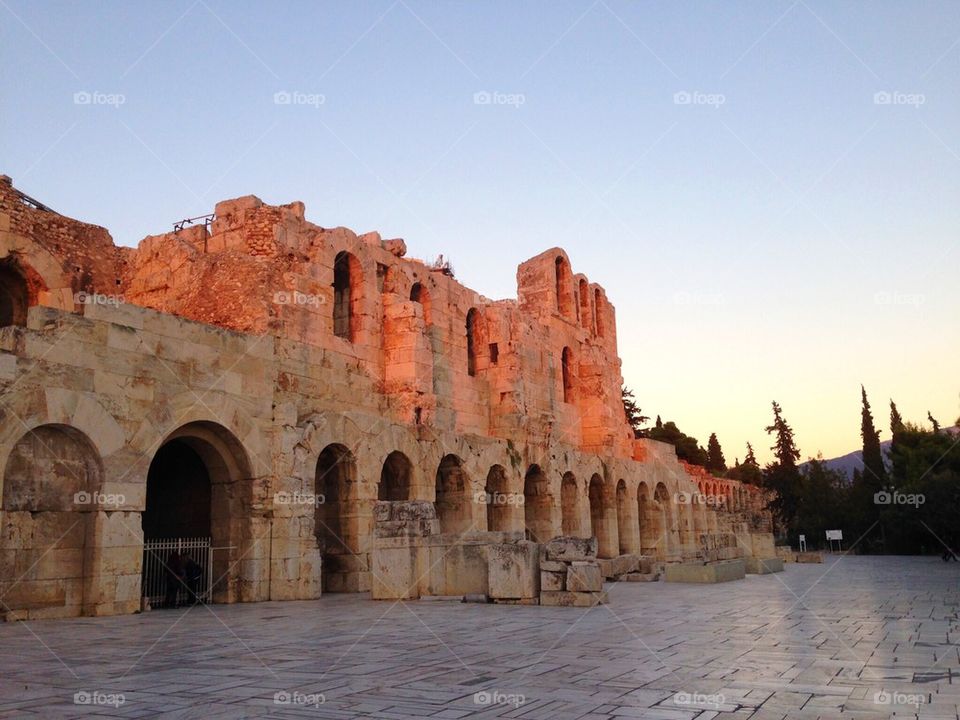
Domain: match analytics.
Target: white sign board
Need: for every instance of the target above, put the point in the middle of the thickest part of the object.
(803, 538)
(834, 534)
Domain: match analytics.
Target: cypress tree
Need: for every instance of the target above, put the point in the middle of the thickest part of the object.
(716, 463)
(896, 420)
(875, 473)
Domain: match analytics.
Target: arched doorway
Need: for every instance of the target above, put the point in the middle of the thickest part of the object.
(13, 297)
(453, 496)
(603, 519)
(195, 496)
(498, 500)
(337, 521)
(395, 478)
(537, 505)
(570, 506)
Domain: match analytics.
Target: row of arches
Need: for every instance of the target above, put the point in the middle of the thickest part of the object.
(578, 305)
(199, 474)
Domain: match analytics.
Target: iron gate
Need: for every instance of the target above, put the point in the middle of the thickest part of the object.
(156, 553)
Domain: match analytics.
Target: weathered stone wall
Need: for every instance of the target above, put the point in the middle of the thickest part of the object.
(306, 403)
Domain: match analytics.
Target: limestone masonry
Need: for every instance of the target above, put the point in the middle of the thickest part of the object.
(311, 409)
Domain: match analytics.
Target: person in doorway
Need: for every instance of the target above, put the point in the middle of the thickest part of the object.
(176, 574)
(194, 573)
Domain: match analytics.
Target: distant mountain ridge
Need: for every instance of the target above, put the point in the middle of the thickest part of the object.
(846, 464)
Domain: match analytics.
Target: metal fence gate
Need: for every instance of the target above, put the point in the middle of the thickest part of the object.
(156, 554)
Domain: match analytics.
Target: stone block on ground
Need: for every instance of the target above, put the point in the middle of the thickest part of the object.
(569, 549)
(513, 570)
(552, 580)
(584, 576)
(809, 557)
(723, 571)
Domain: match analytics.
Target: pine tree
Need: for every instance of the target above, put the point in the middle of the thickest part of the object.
(782, 476)
(933, 421)
(874, 471)
(634, 414)
(896, 420)
(751, 459)
(716, 463)
(659, 422)
(784, 448)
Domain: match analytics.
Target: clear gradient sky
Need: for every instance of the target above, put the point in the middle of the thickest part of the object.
(784, 235)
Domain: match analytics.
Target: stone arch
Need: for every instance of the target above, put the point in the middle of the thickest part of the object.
(570, 506)
(48, 468)
(453, 496)
(51, 480)
(337, 515)
(603, 518)
(395, 478)
(564, 287)
(14, 296)
(419, 293)
(537, 505)
(216, 467)
(498, 500)
(628, 529)
(347, 295)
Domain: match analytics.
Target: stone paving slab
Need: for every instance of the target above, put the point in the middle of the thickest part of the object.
(851, 638)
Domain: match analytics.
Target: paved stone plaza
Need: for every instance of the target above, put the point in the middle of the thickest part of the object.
(816, 641)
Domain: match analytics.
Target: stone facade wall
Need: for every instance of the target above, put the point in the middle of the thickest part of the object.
(311, 371)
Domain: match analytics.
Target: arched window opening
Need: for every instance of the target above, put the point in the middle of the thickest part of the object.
(453, 496)
(346, 282)
(537, 505)
(600, 309)
(395, 478)
(566, 367)
(472, 341)
(420, 294)
(586, 317)
(564, 288)
(499, 501)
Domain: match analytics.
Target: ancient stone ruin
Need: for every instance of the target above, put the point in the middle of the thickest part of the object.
(303, 409)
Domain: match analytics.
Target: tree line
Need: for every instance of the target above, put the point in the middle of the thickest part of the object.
(902, 501)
